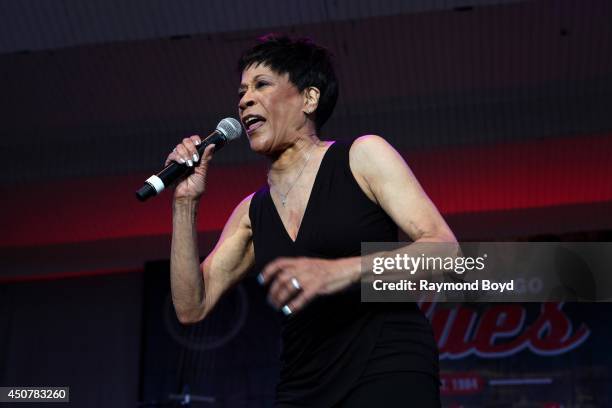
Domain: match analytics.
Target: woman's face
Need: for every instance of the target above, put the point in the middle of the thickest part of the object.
(271, 109)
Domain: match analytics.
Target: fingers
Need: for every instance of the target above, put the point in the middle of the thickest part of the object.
(288, 284)
(190, 150)
(186, 152)
(273, 268)
(297, 303)
(183, 154)
(196, 139)
(283, 289)
(294, 282)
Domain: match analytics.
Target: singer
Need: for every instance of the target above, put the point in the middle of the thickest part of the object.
(303, 232)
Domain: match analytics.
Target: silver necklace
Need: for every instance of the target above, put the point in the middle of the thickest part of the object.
(284, 196)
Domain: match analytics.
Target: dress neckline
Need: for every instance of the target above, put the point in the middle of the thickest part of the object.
(307, 210)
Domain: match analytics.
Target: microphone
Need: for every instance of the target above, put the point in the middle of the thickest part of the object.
(227, 130)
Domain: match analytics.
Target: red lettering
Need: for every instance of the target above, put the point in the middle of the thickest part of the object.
(455, 339)
(551, 333)
(498, 322)
(500, 331)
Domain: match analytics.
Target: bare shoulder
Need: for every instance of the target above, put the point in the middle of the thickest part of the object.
(245, 204)
(369, 156)
(236, 236)
(241, 212)
(370, 150)
(239, 221)
(387, 177)
(369, 141)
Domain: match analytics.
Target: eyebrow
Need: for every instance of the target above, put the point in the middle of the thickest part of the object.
(243, 85)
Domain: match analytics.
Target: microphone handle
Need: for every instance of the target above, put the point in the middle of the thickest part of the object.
(173, 171)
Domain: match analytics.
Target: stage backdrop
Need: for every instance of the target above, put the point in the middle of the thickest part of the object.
(232, 356)
(492, 355)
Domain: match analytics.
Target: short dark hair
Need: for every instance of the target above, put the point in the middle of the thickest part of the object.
(307, 64)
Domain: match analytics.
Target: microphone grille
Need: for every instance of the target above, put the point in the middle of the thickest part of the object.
(230, 128)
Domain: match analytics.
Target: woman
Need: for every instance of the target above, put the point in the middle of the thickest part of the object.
(303, 232)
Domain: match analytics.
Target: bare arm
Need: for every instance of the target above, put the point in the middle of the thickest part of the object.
(196, 288)
(386, 179)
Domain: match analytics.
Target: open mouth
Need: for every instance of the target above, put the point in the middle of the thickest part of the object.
(253, 122)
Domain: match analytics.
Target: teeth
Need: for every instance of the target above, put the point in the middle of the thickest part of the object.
(251, 119)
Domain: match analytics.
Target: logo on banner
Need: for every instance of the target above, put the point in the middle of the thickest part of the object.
(500, 330)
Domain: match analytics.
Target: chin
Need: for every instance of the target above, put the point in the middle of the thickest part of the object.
(259, 143)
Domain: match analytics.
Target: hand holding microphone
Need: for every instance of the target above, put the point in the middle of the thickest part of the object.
(190, 156)
(186, 153)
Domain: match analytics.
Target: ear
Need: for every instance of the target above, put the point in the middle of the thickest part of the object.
(311, 99)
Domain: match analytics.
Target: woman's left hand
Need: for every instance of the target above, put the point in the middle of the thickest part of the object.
(293, 282)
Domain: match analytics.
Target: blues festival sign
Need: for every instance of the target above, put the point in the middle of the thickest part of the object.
(531, 354)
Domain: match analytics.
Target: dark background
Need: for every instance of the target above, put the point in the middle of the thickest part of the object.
(500, 107)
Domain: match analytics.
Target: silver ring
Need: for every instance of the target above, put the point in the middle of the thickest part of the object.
(295, 283)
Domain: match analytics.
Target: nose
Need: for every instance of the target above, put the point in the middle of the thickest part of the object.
(246, 101)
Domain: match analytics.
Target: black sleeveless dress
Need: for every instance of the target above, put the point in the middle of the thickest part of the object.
(336, 339)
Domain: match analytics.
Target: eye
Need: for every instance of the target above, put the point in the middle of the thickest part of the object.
(258, 84)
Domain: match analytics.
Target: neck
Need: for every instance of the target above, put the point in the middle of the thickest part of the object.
(294, 155)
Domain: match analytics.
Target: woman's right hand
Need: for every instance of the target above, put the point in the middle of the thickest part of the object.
(192, 186)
